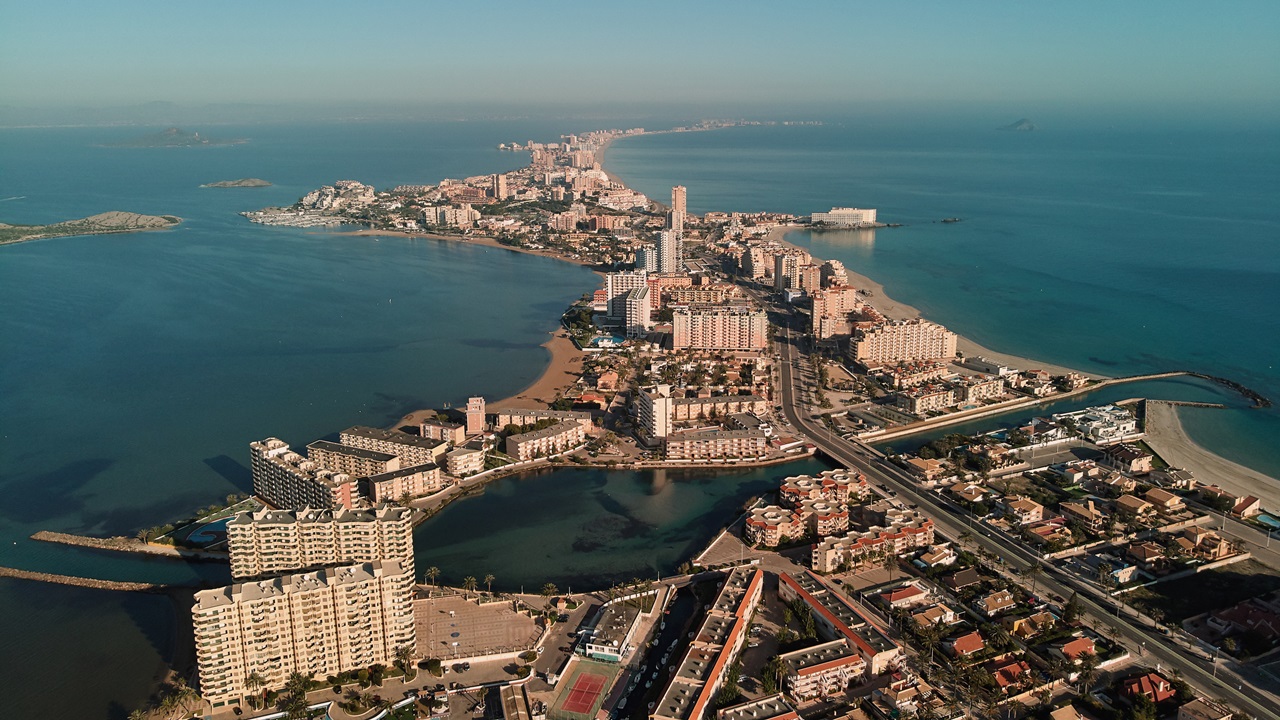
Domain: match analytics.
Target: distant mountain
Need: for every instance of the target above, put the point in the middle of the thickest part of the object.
(174, 137)
(241, 183)
(1023, 125)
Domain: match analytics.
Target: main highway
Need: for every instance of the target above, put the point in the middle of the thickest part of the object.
(1154, 646)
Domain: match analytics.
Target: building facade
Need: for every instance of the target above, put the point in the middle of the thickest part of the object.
(286, 479)
(902, 341)
(720, 327)
(548, 441)
(273, 542)
(321, 622)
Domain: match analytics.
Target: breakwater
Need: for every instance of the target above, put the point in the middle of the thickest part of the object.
(94, 583)
(126, 544)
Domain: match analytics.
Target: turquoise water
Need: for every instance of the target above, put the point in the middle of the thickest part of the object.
(135, 369)
(1114, 251)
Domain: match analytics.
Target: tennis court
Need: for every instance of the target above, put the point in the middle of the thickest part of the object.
(584, 691)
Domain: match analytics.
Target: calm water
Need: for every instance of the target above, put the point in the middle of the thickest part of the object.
(1116, 252)
(588, 527)
(135, 369)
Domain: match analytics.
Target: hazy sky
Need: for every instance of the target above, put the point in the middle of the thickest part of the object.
(1082, 54)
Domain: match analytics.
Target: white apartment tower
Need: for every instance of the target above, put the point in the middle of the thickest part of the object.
(647, 258)
(616, 287)
(670, 252)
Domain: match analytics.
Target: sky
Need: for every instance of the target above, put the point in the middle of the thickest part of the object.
(1169, 55)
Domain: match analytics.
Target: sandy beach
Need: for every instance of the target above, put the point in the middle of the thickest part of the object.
(895, 310)
(1166, 436)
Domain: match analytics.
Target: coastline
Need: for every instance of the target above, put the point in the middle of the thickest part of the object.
(1170, 440)
(465, 239)
(895, 310)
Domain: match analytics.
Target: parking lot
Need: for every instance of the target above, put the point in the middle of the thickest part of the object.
(454, 627)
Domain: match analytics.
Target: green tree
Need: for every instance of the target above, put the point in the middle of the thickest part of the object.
(548, 591)
(404, 661)
(488, 583)
(890, 563)
(255, 682)
(432, 574)
(1033, 571)
(1086, 672)
(1072, 610)
(469, 584)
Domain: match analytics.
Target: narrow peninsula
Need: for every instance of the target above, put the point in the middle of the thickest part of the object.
(241, 183)
(100, 224)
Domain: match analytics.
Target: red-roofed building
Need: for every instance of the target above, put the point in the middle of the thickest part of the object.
(1078, 647)
(1009, 676)
(905, 597)
(1156, 688)
(966, 645)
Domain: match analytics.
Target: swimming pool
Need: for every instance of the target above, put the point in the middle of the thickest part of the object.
(210, 533)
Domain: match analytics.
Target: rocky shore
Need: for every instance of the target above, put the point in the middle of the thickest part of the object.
(126, 544)
(116, 585)
(105, 223)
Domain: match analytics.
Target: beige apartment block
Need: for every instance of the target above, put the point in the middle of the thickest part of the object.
(321, 622)
(272, 542)
(902, 341)
(286, 479)
(562, 436)
(720, 327)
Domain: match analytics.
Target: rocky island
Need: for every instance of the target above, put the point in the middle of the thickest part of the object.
(241, 183)
(100, 224)
(175, 137)
(1023, 125)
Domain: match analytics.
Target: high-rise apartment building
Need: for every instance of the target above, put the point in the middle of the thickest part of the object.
(636, 308)
(670, 252)
(475, 416)
(273, 542)
(616, 287)
(720, 327)
(902, 341)
(286, 479)
(675, 218)
(647, 258)
(322, 622)
(351, 460)
(500, 186)
(831, 310)
(679, 196)
(786, 268)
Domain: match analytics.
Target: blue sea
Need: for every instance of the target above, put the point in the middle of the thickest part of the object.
(135, 369)
(1110, 250)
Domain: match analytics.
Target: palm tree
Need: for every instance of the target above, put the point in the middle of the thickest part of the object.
(138, 715)
(432, 574)
(255, 682)
(143, 535)
(488, 582)
(183, 694)
(404, 660)
(548, 590)
(1088, 671)
(890, 563)
(469, 584)
(1032, 572)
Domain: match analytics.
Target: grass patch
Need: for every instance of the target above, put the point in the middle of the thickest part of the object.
(1209, 590)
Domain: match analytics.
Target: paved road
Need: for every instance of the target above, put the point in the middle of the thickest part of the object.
(880, 472)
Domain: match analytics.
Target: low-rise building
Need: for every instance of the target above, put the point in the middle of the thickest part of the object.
(770, 707)
(1165, 502)
(768, 526)
(412, 481)
(966, 645)
(1086, 513)
(1155, 687)
(464, 461)
(836, 486)
(450, 432)
(1203, 709)
(716, 444)
(997, 602)
(835, 618)
(1023, 509)
(1029, 626)
(549, 441)
(903, 531)
(411, 449)
(936, 614)
(1128, 459)
(823, 670)
(1134, 508)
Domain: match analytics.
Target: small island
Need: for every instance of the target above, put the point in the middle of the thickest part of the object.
(241, 183)
(174, 137)
(1023, 125)
(100, 224)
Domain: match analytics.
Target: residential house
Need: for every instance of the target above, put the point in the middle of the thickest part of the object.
(1128, 459)
(1247, 507)
(1086, 513)
(1010, 676)
(1111, 483)
(927, 469)
(962, 579)
(1050, 530)
(1072, 650)
(1202, 709)
(996, 603)
(1029, 626)
(1256, 616)
(1204, 544)
(1166, 503)
(1023, 509)
(937, 556)
(1171, 477)
(968, 492)
(966, 645)
(1066, 712)
(908, 596)
(937, 614)
(1148, 555)
(1156, 688)
(1134, 508)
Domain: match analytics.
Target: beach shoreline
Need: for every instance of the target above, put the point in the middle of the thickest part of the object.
(895, 310)
(464, 239)
(1166, 435)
